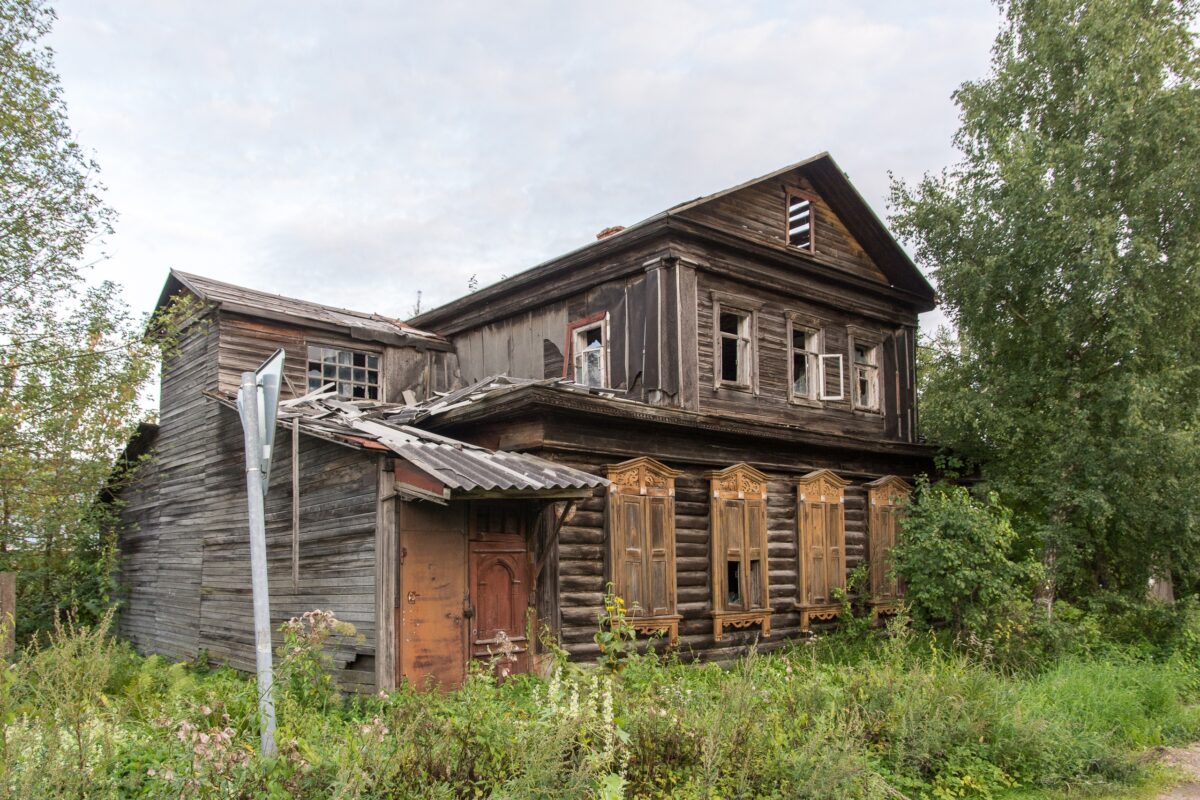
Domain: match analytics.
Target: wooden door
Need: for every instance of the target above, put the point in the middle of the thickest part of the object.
(430, 624)
(500, 592)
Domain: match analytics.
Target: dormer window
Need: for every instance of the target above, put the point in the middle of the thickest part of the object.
(800, 221)
(353, 373)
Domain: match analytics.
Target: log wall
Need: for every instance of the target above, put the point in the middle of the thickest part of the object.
(581, 561)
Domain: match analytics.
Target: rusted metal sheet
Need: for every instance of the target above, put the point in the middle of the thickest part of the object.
(430, 622)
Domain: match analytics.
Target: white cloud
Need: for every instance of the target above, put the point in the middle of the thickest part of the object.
(359, 153)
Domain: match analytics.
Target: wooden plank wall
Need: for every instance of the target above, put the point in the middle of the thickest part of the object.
(516, 347)
(184, 548)
(771, 403)
(337, 546)
(245, 343)
(582, 554)
(180, 449)
(759, 212)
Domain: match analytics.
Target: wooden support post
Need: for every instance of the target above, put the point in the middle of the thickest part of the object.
(296, 504)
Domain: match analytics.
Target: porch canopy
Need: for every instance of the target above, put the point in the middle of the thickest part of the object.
(429, 466)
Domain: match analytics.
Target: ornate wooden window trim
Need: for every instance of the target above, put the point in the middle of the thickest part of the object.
(745, 488)
(643, 487)
(885, 500)
(821, 545)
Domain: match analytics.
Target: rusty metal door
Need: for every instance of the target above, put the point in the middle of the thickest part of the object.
(499, 586)
(430, 619)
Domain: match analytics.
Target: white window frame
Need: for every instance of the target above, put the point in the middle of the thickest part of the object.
(813, 329)
(826, 358)
(746, 335)
(578, 342)
(872, 374)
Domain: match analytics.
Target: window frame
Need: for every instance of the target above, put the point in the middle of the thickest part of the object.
(789, 195)
(574, 328)
(861, 337)
(886, 499)
(748, 310)
(814, 328)
(643, 482)
(820, 494)
(310, 344)
(744, 488)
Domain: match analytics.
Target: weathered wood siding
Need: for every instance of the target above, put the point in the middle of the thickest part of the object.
(641, 330)
(184, 544)
(244, 343)
(769, 399)
(759, 212)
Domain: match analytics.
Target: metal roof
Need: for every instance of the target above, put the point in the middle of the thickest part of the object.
(448, 467)
(358, 324)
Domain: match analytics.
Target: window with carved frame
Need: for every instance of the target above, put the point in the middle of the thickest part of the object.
(821, 545)
(641, 536)
(740, 574)
(886, 500)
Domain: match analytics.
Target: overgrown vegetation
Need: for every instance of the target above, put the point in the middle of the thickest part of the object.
(898, 714)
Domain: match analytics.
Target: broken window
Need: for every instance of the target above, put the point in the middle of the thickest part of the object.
(735, 353)
(589, 355)
(738, 516)
(353, 374)
(800, 221)
(866, 376)
(804, 355)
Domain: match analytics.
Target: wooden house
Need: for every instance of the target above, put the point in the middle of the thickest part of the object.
(713, 409)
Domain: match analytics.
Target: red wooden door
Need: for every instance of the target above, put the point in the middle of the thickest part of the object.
(499, 588)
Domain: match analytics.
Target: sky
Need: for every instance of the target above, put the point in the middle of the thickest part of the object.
(374, 155)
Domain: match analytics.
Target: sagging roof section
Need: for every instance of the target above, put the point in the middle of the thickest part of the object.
(356, 324)
(434, 467)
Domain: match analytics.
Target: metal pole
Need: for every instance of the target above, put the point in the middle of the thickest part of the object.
(258, 560)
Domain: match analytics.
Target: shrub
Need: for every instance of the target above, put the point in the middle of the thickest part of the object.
(954, 556)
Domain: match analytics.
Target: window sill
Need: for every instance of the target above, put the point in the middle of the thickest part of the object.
(668, 624)
(734, 387)
(741, 619)
(824, 612)
(806, 402)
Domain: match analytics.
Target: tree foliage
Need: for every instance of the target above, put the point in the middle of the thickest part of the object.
(1064, 244)
(72, 357)
(956, 558)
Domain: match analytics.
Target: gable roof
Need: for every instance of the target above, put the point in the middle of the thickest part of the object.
(255, 303)
(827, 178)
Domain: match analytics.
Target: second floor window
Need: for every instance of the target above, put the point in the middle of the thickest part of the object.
(735, 347)
(805, 364)
(589, 352)
(353, 373)
(866, 376)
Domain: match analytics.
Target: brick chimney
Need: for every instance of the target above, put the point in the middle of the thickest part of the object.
(604, 234)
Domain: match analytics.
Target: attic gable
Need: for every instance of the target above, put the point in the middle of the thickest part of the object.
(760, 211)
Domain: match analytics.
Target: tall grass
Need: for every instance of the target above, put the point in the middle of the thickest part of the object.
(894, 717)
